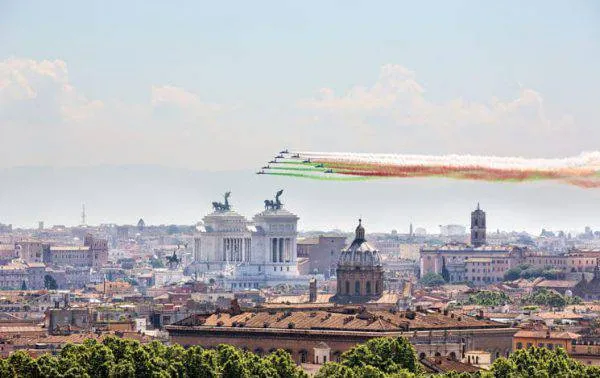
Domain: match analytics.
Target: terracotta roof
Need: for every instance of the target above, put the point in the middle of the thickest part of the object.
(76, 338)
(352, 320)
(69, 248)
(557, 283)
(545, 334)
(19, 329)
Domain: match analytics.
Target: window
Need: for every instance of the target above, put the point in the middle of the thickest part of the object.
(347, 287)
(368, 287)
(519, 345)
(303, 356)
(357, 288)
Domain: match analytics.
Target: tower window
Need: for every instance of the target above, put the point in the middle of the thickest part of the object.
(357, 288)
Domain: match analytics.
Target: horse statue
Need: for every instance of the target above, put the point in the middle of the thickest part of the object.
(173, 261)
(218, 206)
(274, 205)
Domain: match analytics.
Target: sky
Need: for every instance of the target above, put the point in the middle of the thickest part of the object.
(219, 86)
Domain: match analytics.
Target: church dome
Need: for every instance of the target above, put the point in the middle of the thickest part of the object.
(359, 253)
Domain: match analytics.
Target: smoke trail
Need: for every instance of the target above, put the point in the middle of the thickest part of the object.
(316, 177)
(582, 170)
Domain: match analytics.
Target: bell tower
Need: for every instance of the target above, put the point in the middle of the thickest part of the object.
(478, 227)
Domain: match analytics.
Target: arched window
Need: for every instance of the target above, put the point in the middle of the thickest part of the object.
(303, 356)
(453, 356)
(519, 345)
(336, 356)
(357, 288)
(377, 288)
(347, 287)
(368, 287)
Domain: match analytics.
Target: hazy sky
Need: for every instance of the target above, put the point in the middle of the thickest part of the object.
(221, 85)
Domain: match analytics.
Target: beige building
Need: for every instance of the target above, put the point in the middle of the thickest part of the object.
(93, 253)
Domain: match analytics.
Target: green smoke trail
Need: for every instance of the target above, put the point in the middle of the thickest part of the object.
(321, 178)
(309, 169)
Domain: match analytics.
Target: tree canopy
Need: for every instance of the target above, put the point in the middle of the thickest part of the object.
(50, 282)
(546, 297)
(115, 357)
(382, 358)
(377, 358)
(527, 271)
(432, 279)
(489, 298)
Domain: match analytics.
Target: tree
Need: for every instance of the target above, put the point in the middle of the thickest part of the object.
(432, 279)
(50, 282)
(445, 272)
(512, 274)
(538, 362)
(156, 263)
(335, 370)
(284, 365)
(489, 298)
(546, 297)
(23, 365)
(387, 354)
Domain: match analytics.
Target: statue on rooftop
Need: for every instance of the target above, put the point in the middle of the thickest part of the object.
(274, 205)
(218, 206)
(173, 261)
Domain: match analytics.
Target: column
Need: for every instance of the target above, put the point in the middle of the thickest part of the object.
(248, 249)
(280, 249)
(243, 249)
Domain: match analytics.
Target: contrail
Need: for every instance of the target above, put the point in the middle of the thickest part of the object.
(582, 170)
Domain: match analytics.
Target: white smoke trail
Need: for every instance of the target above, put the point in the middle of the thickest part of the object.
(584, 161)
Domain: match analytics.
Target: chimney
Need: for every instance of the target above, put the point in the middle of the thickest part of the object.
(235, 307)
(312, 290)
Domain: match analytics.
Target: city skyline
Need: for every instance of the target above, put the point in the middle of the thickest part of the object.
(186, 196)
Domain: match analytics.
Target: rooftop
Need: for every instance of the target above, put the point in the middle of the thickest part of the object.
(335, 319)
(547, 335)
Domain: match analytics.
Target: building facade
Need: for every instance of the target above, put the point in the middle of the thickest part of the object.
(322, 252)
(359, 271)
(93, 253)
(248, 254)
(303, 332)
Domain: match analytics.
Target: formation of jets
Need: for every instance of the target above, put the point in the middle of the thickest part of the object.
(285, 154)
